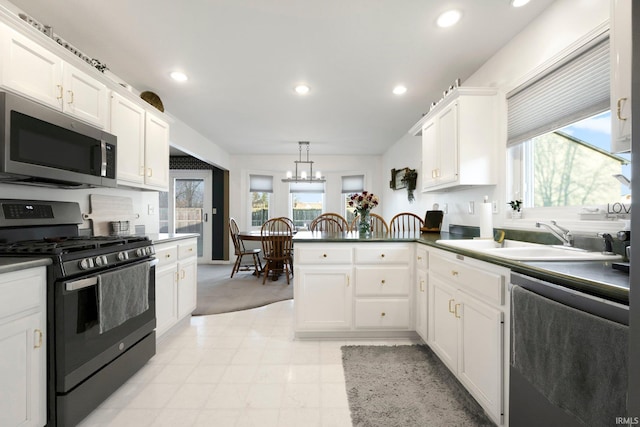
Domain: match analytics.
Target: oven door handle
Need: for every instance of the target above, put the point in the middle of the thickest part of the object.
(81, 283)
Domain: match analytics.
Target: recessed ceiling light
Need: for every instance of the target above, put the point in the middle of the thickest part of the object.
(302, 89)
(519, 3)
(449, 18)
(178, 76)
(399, 90)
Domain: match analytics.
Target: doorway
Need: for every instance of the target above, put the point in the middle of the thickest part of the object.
(186, 208)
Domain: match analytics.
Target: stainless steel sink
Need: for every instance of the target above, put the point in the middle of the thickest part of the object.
(525, 251)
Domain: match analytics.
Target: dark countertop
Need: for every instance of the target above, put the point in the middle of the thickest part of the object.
(9, 264)
(593, 277)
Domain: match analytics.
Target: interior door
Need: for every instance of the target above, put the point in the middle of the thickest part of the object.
(190, 207)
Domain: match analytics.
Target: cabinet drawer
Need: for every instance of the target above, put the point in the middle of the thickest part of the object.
(386, 254)
(383, 313)
(166, 255)
(22, 290)
(323, 255)
(474, 280)
(382, 280)
(187, 250)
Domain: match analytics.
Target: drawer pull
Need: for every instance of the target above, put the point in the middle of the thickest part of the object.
(324, 255)
(454, 273)
(421, 285)
(348, 280)
(382, 256)
(383, 314)
(37, 342)
(456, 311)
(419, 258)
(382, 282)
(167, 256)
(451, 309)
(59, 92)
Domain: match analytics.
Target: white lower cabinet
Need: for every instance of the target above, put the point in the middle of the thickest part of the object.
(467, 311)
(353, 288)
(176, 282)
(323, 297)
(23, 348)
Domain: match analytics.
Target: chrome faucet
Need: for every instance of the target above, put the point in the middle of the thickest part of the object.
(561, 233)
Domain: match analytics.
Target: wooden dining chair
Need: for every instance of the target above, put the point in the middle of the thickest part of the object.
(241, 252)
(334, 218)
(327, 224)
(277, 247)
(405, 222)
(378, 224)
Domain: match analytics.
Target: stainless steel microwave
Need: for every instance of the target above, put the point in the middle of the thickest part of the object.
(42, 146)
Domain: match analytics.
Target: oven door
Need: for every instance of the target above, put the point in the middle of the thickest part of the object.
(84, 343)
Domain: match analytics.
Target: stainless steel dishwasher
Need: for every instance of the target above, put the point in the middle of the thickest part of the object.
(528, 406)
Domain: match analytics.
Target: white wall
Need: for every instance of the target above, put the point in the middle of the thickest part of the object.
(332, 167)
(552, 34)
(191, 142)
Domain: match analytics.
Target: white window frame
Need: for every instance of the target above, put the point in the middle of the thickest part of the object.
(515, 157)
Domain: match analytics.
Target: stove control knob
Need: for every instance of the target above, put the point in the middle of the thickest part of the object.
(85, 263)
(123, 256)
(140, 252)
(101, 260)
(148, 250)
(152, 251)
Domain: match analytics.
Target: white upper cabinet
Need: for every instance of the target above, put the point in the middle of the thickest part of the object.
(30, 69)
(143, 145)
(127, 123)
(459, 138)
(620, 75)
(156, 152)
(34, 71)
(84, 97)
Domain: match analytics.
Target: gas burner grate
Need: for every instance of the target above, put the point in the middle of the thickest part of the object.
(62, 245)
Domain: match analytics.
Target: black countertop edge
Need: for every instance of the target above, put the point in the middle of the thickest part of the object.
(614, 286)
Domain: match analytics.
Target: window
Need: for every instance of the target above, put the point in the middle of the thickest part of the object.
(572, 166)
(350, 184)
(307, 202)
(260, 190)
(559, 133)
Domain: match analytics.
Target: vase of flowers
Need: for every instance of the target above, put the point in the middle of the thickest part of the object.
(362, 203)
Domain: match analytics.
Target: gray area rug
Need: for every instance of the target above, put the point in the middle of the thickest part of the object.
(217, 293)
(405, 386)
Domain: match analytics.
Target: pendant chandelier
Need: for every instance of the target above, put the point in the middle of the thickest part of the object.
(303, 173)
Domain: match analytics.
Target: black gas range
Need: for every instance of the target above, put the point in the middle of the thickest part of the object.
(100, 303)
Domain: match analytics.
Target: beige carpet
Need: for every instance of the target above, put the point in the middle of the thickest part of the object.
(217, 293)
(405, 386)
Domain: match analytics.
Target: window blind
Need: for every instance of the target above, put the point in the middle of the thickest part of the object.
(306, 187)
(260, 184)
(353, 184)
(576, 89)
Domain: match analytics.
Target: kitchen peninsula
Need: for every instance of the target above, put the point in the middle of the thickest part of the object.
(408, 285)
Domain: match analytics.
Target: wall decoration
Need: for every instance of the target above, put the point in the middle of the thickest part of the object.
(396, 182)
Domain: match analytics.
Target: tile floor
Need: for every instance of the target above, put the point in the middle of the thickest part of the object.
(235, 369)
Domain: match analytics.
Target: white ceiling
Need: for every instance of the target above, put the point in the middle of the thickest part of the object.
(243, 58)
